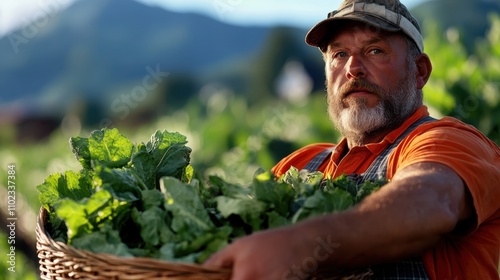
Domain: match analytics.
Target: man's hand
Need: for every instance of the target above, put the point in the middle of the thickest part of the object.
(266, 255)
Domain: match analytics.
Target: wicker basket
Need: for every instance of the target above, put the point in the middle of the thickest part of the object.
(61, 261)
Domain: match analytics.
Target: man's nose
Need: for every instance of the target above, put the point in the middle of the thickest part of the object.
(355, 67)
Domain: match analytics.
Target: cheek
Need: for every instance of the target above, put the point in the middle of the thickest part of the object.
(334, 81)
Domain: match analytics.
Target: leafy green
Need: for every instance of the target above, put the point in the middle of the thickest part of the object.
(277, 196)
(146, 200)
(323, 202)
(248, 210)
(80, 148)
(122, 183)
(154, 228)
(107, 146)
(105, 240)
(164, 155)
(349, 184)
(189, 214)
(89, 213)
(116, 185)
(71, 185)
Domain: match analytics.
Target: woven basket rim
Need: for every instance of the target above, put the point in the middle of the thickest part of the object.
(62, 261)
(170, 270)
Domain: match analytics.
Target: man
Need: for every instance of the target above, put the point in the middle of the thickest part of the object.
(439, 215)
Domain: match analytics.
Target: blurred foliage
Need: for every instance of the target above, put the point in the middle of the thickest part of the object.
(466, 86)
(232, 136)
(469, 18)
(23, 269)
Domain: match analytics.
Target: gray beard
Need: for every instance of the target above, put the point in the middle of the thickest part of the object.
(357, 122)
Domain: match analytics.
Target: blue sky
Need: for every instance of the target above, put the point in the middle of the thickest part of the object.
(301, 13)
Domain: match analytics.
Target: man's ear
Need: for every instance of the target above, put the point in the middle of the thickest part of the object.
(424, 69)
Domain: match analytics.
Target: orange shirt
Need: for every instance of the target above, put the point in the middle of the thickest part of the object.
(475, 158)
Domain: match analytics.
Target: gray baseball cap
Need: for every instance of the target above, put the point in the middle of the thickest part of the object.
(388, 15)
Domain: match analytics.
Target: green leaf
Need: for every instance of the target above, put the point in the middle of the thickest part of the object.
(345, 183)
(188, 174)
(122, 182)
(324, 202)
(213, 247)
(170, 154)
(207, 192)
(154, 229)
(71, 185)
(303, 182)
(199, 249)
(83, 217)
(229, 189)
(152, 198)
(106, 240)
(278, 196)
(76, 213)
(219, 241)
(144, 165)
(80, 148)
(189, 214)
(339, 200)
(249, 210)
(167, 253)
(185, 248)
(106, 146)
(369, 187)
(164, 155)
(294, 177)
(276, 220)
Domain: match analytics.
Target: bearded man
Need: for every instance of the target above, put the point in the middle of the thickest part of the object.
(439, 215)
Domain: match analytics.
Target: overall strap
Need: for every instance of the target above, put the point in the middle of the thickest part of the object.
(318, 160)
(412, 268)
(378, 168)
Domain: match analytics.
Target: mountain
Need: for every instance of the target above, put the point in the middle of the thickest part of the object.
(96, 46)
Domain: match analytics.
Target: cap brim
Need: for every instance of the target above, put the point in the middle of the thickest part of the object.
(318, 34)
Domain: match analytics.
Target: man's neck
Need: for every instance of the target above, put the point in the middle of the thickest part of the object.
(361, 140)
(376, 136)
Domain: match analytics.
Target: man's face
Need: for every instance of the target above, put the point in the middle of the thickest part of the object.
(370, 84)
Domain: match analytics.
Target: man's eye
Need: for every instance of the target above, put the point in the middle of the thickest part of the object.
(340, 55)
(376, 51)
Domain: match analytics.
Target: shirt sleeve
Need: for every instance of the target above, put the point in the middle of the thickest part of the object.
(462, 148)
